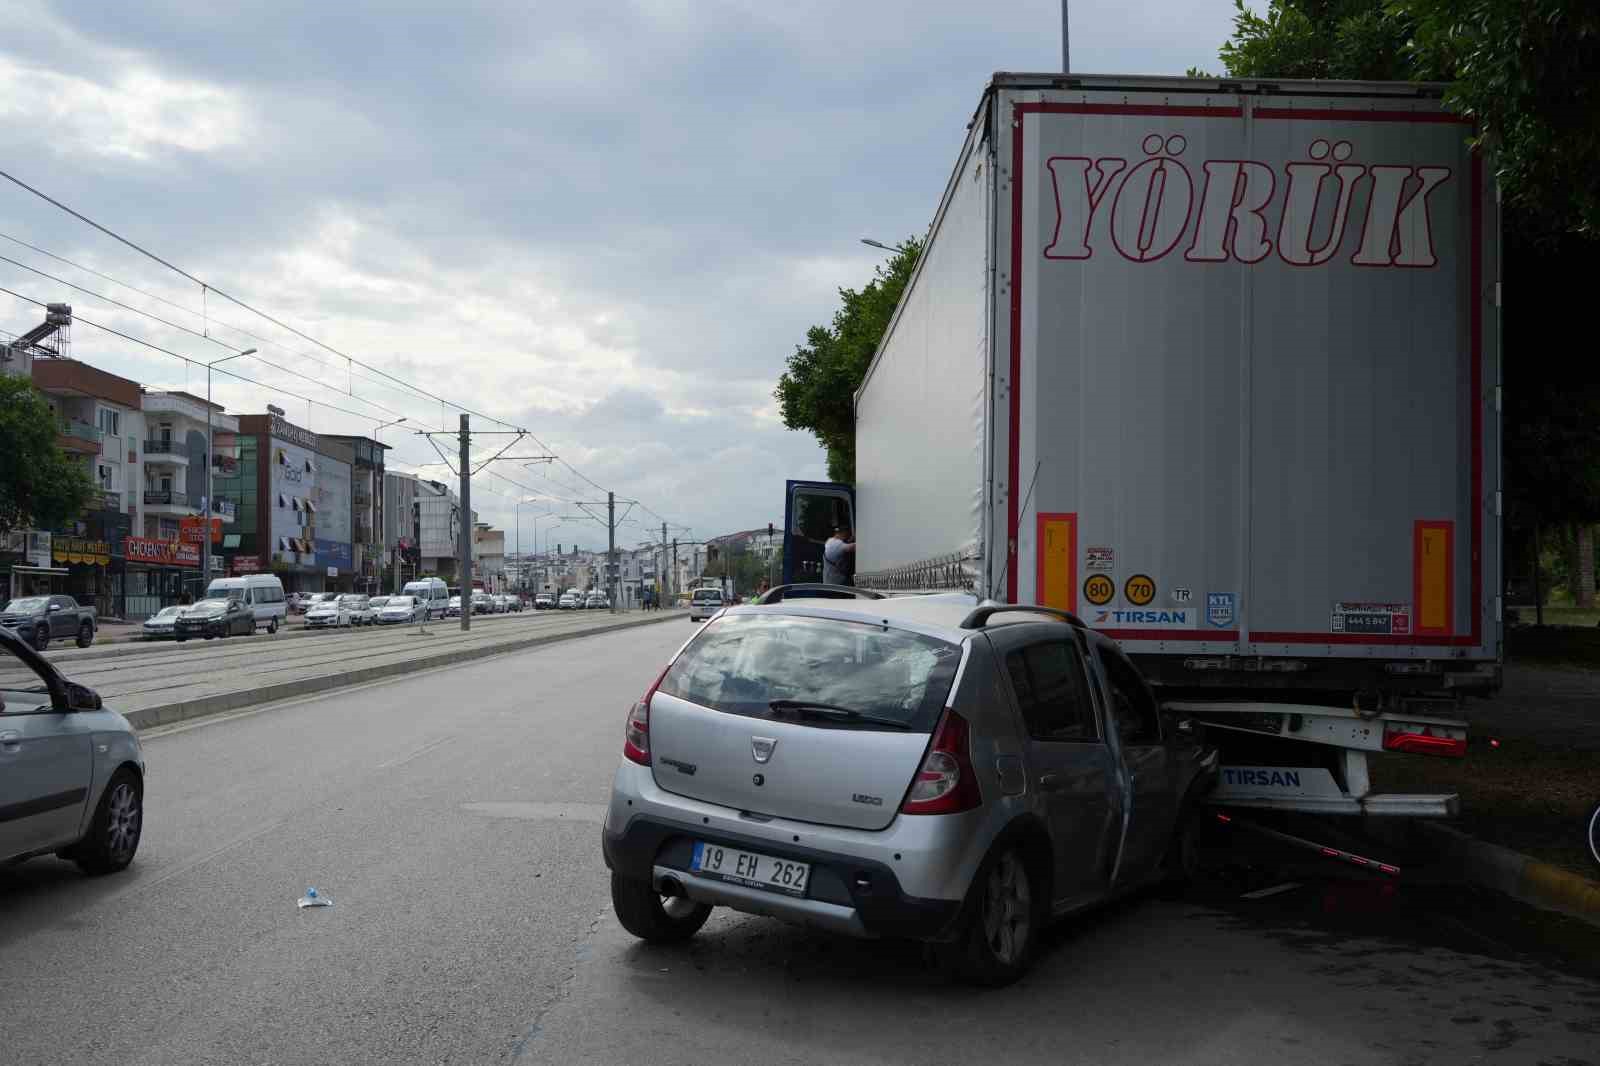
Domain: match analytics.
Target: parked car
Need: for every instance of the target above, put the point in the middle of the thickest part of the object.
(401, 610)
(215, 618)
(262, 593)
(327, 613)
(544, 601)
(453, 607)
(41, 619)
(359, 607)
(482, 603)
(162, 624)
(703, 603)
(377, 603)
(572, 600)
(988, 769)
(73, 771)
(596, 601)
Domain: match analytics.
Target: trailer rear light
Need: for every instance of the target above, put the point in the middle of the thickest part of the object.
(636, 731)
(1424, 743)
(945, 783)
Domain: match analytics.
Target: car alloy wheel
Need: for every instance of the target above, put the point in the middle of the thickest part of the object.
(1007, 909)
(125, 815)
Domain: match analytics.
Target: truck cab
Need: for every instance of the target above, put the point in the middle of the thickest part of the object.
(811, 510)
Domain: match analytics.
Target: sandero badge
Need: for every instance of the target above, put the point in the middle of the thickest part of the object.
(762, 747)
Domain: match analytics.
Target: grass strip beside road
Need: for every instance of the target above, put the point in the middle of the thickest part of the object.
(1534, 791)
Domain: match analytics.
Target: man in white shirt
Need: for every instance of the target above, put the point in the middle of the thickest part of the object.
(839, 558)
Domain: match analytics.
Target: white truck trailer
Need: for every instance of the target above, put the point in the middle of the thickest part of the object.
(1214, 366)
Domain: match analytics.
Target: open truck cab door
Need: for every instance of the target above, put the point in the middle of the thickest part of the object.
(811, 509)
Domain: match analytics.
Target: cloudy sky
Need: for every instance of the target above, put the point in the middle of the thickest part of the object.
(607, 223)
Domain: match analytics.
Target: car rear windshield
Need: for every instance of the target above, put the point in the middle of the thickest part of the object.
(707, 596)
(742, 663)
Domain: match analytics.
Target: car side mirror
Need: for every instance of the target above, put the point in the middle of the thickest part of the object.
(1185, 726)
(82, 698)
(53, 608)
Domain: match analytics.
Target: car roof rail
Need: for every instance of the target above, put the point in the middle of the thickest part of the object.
(819, 591)
(981, 615)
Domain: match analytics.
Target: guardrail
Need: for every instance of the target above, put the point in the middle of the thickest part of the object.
(165, 498)
(72, 427)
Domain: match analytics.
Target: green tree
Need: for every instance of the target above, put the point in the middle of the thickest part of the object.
(40, 488)
(817, 392)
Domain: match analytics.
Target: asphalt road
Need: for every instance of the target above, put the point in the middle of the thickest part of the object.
(453, 817)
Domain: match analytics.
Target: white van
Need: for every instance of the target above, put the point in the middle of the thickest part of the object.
(262, 593)
(432, 593)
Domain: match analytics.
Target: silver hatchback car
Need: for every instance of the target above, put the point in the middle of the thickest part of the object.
(916, 766)
(71, 771)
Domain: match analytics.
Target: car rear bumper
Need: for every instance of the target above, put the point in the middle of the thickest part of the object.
(866, 884)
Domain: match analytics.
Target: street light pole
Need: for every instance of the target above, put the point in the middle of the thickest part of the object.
(206, 505)
(383, 532)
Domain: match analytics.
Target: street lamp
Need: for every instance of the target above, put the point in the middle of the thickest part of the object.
(870, 243)
(383, 532)
(206, 505)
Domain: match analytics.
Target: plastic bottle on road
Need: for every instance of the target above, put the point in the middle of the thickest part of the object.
(312, 899)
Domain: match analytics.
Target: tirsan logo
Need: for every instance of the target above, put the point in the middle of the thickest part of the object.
(1219, 211)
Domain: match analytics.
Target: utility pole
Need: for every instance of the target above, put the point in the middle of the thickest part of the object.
(661, 575)
(465, 569)
(1066, 42)
(674, 570)
(611, 549)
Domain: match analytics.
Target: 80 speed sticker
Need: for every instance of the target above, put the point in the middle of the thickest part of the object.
(1099, 589)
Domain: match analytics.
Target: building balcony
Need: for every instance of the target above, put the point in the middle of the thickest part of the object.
(75, 436)
(166, 502)
(171, 452)
(101, 500)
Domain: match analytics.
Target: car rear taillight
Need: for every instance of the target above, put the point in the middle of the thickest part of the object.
(946, 782)
(636, 732)
(1420, 740)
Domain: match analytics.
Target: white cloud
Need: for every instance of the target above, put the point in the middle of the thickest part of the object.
(609, 224)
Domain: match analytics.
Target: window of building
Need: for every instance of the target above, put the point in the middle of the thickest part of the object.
(110, 422)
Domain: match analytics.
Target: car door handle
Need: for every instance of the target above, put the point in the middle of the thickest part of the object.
(10, 740)
(1049, 782)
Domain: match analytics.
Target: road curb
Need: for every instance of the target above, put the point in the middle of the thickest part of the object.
(1514, 874)
(170, 713)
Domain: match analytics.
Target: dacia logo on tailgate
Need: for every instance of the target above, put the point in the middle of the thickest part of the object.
(762, 747)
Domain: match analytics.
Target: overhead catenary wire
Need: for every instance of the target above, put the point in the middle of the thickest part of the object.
(184, 329)
(208, 287)
(202, 314)
(225, 372)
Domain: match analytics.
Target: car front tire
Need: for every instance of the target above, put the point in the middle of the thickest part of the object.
(653, 919)
(272, 626)
(85, 635)
(114, 832)
(41, 638)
